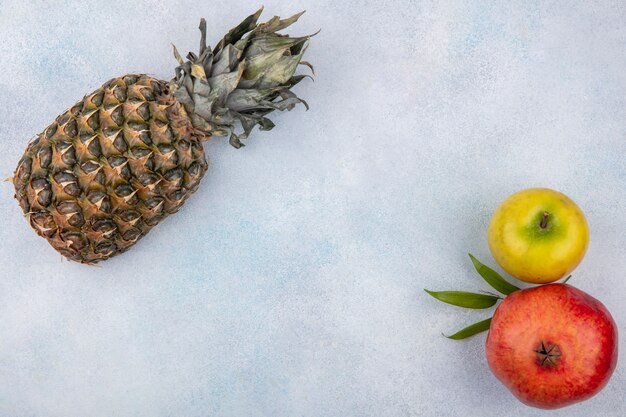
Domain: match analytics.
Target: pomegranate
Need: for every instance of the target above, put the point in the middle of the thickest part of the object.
(552, 345)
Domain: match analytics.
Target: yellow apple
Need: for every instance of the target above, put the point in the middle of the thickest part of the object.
(538, 235)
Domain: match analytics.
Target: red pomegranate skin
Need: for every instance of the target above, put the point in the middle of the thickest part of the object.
(552, 345)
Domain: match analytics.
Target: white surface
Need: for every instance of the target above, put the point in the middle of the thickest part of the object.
(291, 283)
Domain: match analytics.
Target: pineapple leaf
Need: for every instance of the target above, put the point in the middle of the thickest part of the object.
(308, 64)
(246, 76)
(276, 23)
(202, 28)
(236, 33)
(177, 55)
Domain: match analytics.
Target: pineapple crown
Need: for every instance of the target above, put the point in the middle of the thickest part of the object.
(246, 76)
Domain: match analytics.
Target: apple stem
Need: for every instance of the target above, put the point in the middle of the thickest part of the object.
(544, 221)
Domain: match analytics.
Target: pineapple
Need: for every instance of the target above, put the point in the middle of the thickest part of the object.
(129, 154)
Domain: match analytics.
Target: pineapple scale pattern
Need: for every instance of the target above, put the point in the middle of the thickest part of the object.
(110, 168)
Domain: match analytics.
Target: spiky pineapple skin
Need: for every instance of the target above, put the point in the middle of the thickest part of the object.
(110, 168)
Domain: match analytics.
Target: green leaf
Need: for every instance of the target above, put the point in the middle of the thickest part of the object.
(465, 299)
(475, 328)
(492, 277)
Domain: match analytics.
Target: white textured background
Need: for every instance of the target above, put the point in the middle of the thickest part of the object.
(291, 283)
